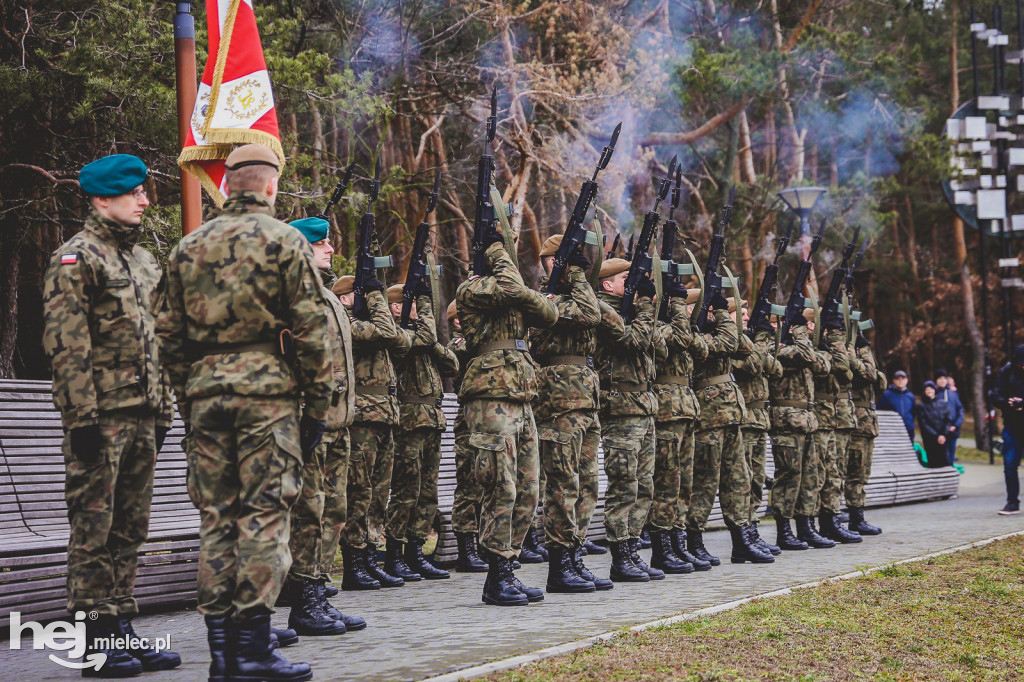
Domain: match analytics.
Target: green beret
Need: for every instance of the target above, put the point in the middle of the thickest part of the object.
(313, 229)
(112, 175)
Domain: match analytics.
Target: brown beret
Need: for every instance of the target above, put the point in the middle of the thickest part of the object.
(732, 304)
(344, 285)
(252, 155)
(613, 266)
(395, 293)
(692, 295)
(452, 311)
(550, 245)
(809, 314)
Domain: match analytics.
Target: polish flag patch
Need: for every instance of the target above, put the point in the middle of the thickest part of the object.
(69, 259)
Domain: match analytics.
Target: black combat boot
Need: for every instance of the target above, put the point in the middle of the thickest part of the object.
(383, 577)
(623, 568)
(844, 517)
(307, 616)
(785, 538)
(645, 540)
(760, 542)
(599, 583)
(662, 556)
(594, 548)
(416, 561)
(151, 659)
(394, 562)
(469, 558)
(253, 658)
(678, 536)
(352, 623)
(859, 525)
(499, 589)
(531, 553)
(634, 556)
(330, 591)
(355, 575)
(99, 639)
(562, 575)
(743, 549)
(218, 636)
(831, 529)
(284, 636)
(806, 532)
(695, 541)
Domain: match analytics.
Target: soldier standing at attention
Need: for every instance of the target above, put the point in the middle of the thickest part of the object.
(626, 367)
(496, 310)
(244, 337)
(413, 503)
(371, 433)
(868, 382)
(567, 422)
(823, 443)
(115, 403)
(312, 543)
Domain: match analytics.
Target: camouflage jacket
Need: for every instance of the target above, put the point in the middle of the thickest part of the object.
(868, 382)
(237, 281)
(676, 348)
(753, 375)
(499, 309)
(826, 388)
(419, 373)
(376, 343)
(721, 404)
(339, 337)
(792, 394)
(457, 345)
(563, 386)
(846, 416)
(98, 328)
(625, 359)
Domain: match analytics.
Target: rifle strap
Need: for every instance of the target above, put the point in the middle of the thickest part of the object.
(506, 229)
(736, 297)
(700, 282)
(435, 285)
(817, 315)
(595, 270)
(659, 280)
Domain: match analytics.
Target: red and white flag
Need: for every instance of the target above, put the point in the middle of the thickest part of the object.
(235, 102)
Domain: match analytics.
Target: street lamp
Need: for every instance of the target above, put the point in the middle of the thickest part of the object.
(801, 200)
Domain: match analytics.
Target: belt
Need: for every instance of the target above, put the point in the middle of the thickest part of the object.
(831, 397)
(225, 348)
(758, 404)
(624, 387)
(577, 360)
(506, 344)
(800, 404)
(672, 379)
(377, 390)
(864, 404)
(714, 381)
(420, 400)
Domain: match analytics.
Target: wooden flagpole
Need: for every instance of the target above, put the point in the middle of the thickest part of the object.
(186, 86)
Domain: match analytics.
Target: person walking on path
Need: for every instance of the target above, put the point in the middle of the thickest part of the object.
(898, 398)
(932, 415)
(1008, 396)
(946, 391)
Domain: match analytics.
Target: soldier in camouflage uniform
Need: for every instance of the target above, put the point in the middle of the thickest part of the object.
(868, 382)
(239, 291)
(371, 456)
(625, 363)
(823, 441)
(115, 402)
(413, 503)
(567, 423)
(496, 310)
(753, 375)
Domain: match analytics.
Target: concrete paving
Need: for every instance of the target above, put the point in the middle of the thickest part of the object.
(426, 629)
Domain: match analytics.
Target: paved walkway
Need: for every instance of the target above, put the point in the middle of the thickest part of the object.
(430, 628)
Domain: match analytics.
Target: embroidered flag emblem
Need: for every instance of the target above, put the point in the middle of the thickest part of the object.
(69, 259)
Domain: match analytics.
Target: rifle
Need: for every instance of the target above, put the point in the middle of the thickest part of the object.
(366, 263)
(576, 235)
(615, 246)
(716, 255)
(485, 220)
(419, 267)
(763, 306)
(629, 247)
(339, 192)
(795, 306)
(671, 284)
(641, 263)
(831, 318)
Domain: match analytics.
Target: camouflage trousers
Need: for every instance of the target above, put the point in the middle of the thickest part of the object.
(506, 462)
(466, 506)
(335, 500)
(796, 471)
(858, 467)
(629, 455)
(371, 458)
(720, 465)
(244, 475)
(413, 502)
(568, 457)
(108, 511)
(311, 556)
(673, 474)
(755, 443)
(825, 458)
(833, 466)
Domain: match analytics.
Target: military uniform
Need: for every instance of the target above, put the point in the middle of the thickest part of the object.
(868, 381)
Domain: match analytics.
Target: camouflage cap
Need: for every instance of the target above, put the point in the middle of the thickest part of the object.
(395, 293)
(550, 245)
(613, 266)
(344, 285)
(452, 311)
(252, 155)
(112, 175)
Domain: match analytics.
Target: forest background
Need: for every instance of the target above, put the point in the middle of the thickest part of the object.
(848, 94)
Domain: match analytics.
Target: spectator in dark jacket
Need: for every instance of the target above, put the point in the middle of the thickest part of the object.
(900, 400)
(1008, 396)
(946, 391)
(934, 420)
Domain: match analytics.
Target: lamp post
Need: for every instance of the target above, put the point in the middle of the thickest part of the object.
(801, 200)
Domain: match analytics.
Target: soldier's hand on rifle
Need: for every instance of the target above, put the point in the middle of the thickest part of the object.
(862, 341)
(374, 284)
(579, 260)
(645, 288)
(422, 288)
(85, 443)
(493, 238)
(311, 432)
(719, 302)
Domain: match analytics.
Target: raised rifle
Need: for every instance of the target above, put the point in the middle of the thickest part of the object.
(759, 314)
(576, 235)
(641, 263)
(795, 306)
(831, 316)
(366, 262)
(616, 243)
(419, 261)
(713, 282)
(338, 193)
(671, 275)
(629, 247)
(486, 220)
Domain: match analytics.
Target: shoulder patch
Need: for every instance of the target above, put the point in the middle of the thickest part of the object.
(550, 296)
(473, 277)
(69, 259)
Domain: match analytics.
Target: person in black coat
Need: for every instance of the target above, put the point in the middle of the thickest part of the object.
(934, 419)
(1008, 396)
